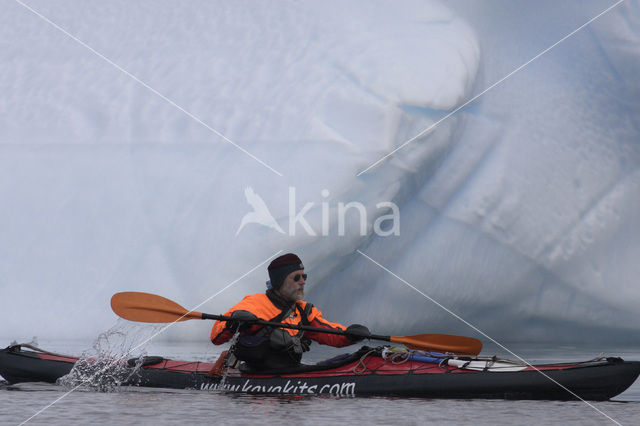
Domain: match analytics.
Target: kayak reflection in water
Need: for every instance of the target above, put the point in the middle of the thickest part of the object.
(274, 348)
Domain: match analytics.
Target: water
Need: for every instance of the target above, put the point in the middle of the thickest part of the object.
(151, 406)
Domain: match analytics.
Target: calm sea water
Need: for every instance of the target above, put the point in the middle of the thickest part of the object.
(143, 406)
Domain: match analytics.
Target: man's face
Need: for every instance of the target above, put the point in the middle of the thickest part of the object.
(291, 289)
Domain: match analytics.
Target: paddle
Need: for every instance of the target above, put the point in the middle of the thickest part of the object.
(146, 307)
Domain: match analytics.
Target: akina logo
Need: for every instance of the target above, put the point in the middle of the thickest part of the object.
(387, 223)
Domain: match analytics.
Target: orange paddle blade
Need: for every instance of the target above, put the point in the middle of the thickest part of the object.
(147, 307)
(459, 345)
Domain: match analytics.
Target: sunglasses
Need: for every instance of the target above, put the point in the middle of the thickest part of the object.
(297, 277)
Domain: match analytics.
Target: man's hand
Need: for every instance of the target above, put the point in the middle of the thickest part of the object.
(357, 332)
(241, 320)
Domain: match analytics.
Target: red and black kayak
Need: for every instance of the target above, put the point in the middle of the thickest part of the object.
(367, 372)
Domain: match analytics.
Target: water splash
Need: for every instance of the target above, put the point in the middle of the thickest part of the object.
(229, 361)
(108, 364)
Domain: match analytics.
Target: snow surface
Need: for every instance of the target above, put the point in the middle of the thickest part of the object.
(519, 212)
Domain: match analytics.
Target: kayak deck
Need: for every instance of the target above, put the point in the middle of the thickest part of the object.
(366, 372)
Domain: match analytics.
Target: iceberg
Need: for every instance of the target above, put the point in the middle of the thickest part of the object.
(131, 134)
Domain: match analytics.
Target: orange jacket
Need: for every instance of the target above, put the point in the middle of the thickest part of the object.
(262, 307)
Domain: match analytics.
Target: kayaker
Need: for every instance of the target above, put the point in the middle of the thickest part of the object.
(266, 347)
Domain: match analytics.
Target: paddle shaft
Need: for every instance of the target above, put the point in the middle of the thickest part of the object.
(296, 327)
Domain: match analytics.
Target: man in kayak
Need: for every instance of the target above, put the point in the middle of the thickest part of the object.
(266, 347)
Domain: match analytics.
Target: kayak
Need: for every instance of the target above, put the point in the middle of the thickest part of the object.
(384, 371)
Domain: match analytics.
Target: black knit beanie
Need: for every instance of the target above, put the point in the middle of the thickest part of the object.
(282, 266)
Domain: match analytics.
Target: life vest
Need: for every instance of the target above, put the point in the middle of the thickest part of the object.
(262, 307)
(271, 347)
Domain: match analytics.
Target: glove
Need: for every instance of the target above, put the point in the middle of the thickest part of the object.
(240, 320)
(305, 343)
(357, 332)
